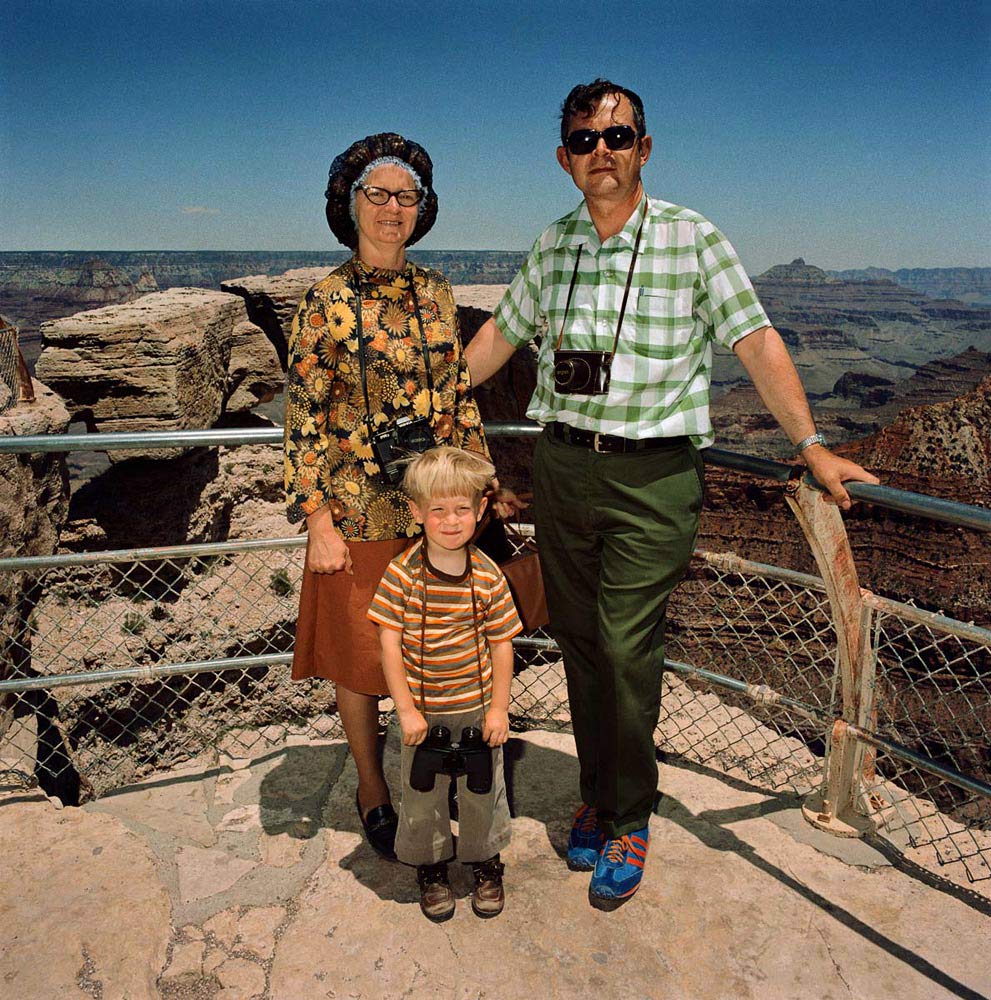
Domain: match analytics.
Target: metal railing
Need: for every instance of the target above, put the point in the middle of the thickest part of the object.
(123, 663)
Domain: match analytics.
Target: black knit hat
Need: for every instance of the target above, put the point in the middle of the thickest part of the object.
(347, 168)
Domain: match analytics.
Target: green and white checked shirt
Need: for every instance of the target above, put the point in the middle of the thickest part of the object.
(689, 289)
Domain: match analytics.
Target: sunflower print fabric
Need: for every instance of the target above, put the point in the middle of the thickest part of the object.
(328, 457)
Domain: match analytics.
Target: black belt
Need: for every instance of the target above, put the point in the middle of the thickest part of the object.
(607, 444)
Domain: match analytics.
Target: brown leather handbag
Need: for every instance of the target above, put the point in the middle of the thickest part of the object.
(522, 571)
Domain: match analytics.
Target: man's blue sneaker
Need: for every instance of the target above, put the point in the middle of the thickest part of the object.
(586, 840)
(619, 870)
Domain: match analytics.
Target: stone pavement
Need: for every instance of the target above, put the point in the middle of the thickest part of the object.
(249, 879)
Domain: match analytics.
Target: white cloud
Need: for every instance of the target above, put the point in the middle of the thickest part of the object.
(199, 210)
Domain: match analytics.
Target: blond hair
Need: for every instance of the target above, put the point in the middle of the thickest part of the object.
(447, 472)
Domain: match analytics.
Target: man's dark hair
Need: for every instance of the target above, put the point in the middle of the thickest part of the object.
(585, 98)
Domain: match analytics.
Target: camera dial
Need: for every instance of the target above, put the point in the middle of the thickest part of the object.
(571, 372)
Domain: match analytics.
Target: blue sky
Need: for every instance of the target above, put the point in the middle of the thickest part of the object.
(847, 133)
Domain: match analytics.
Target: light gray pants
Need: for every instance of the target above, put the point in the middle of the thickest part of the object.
(424, 834)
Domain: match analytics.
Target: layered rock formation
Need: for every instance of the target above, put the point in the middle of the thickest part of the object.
(34, 493)
(207, 495)
(859, 405)
(873, 328)
(170, 361)
(965, 284)
(271, 302)
(33, 295)
(942, 450)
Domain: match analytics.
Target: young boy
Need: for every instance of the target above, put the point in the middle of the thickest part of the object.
(447, 618)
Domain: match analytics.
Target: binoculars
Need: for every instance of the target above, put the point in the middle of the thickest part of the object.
(470, 756)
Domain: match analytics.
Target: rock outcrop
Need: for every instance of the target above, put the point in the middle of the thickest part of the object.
(172, 360)
(860, 404)
(146, 283)
(874, 328)
(34, 492)
(34, 501)
(208, 495)
(942, 450)
(271, 302)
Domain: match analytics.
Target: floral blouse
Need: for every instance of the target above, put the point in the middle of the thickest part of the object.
(328, 456)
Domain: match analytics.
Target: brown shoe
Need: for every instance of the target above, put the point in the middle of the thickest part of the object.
(488, 897)
(436, 897)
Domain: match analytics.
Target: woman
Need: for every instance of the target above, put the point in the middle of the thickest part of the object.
(374, 343)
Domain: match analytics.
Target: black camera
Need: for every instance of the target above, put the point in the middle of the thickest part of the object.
(438, 755)
(583, 373)
(407, 436)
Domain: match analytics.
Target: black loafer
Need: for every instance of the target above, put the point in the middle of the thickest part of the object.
(380, 827)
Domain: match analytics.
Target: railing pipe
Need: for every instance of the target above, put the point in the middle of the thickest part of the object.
(923, 763)
(931, 619)
(233, 546)
(759, 693)
(155, 670)
(130, 440)
(963, 515)
(27, 564)
(150, 672)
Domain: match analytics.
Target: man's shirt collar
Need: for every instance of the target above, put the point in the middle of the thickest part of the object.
(577, 227)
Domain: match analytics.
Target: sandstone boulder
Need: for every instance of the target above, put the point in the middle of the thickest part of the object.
(271, 301)
(171, 360)
(34, 492)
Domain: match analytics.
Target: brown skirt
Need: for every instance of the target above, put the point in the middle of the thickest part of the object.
(334, 638)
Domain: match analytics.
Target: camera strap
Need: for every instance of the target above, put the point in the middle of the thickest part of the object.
(360, 332)
(571, 289)
(626, 291)
(423, 626)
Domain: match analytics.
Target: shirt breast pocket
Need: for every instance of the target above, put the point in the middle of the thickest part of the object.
(664, 322)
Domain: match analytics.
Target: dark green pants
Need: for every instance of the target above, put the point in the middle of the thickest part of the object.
(615, 534)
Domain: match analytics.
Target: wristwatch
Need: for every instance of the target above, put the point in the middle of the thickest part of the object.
(812, 439)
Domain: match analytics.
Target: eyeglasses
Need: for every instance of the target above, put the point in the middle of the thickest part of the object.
(582, 141)
(407, 198)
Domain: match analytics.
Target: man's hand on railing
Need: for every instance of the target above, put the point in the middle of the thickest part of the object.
(831, 471)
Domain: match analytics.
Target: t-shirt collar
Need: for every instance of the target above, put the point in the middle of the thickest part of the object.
(440, 574)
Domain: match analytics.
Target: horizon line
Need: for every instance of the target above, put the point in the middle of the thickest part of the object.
(344, 250)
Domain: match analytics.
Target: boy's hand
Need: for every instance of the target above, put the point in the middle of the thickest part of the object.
(414, 727)
(495, 731)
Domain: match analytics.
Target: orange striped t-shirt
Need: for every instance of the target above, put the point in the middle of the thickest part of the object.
(450, 656)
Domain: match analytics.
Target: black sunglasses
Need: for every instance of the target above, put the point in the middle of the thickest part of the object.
(583, 140)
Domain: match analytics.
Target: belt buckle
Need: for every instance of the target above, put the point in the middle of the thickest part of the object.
(595, 444)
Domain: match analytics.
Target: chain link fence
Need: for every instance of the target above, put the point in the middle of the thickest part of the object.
(932, 697)
(770, 629)
(134, 661)
(119, 665)
(15, 382)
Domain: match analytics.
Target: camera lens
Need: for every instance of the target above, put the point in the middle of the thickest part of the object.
(563, 371)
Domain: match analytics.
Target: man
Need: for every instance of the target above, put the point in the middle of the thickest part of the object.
(617, 472)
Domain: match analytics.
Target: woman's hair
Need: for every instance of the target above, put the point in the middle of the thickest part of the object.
(447, 472)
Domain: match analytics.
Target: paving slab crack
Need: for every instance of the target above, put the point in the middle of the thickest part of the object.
(836, 965)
